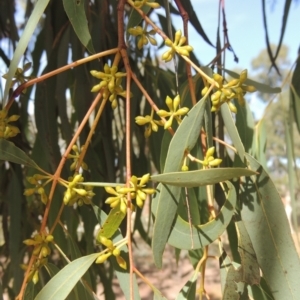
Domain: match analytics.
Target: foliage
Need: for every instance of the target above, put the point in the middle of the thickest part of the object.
(114, 128)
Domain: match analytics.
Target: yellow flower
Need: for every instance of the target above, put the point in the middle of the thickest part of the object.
(150, 123)
(174, 111)
(143, 35)
(110, 84)
(178, 46)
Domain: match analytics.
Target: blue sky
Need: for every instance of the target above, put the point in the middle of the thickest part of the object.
(245, 28)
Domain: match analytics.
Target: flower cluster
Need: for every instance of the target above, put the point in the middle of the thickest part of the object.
(151, 123)
(234, 89)
(209, 159)
(76, 192)
(110, 250)
(75, 158)
(7, 130)
(137, 190)
(140, 4)
(20, 76)
(178, 46)
(40, 242)
(34, 271)
(143, 35)
(36, 180)
(41, 249)
(174, 112)
(110, 84)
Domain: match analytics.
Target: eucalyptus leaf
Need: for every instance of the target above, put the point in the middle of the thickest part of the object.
(264, 217)
(232, 131)
(63, 282)
(76, 13)
(189, 289)
(10, 152)
(122, 275)
(181, 236)
(23, 42)
(184, 140)
(201, 177)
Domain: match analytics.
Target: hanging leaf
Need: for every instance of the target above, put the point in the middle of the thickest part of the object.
(265, 220)
(189, 289)
(184, 140)
(112, 223)
(249, 270)
(295, 94)
(201, 177)
(76, 13)
(9, 152)
(122, 275)
(23, 42)
(232, 131)
(202, 235)
(63, 282)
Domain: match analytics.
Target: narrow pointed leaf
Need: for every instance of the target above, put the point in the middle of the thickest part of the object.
(202, 235)
(63, 282)
(265, 220)
(295, 94)
(76, 14)
(122, 275)
(23, 42)
(249, 270)
(232, 131)
(9, 152)
(189, 289)
(184, 139)
(201, 177)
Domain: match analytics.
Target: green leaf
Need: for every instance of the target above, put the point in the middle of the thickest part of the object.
(112, 223)
(249, 270)
(265, 220)
(232, 131)
(9, 152)
(181, 236)
(123, 275)
(201, 177)
(259, 143)
(189, 289)
(245, 124)
(63, 282)
(193, 18)
(295, 94)
(76, 14)
(184, 139)
(158, 295)
(259, 86)
(15, 205)
(23, 42)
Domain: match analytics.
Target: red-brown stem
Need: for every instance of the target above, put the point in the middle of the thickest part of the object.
(56, 176)
(89, 137)
(128, 167)
(120, 9)
(147, 96)
(146, 18)
(22, 290)
(74, 64)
